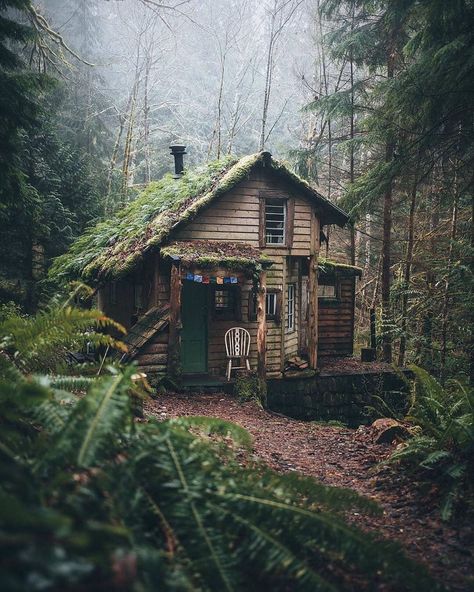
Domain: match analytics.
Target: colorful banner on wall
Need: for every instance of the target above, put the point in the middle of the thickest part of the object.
(211, 279)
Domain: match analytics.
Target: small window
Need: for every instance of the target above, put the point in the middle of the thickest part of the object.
(290, 308)
(326, 291)
(327, 287)
(223, 299)
(227, 303)
(275, 221)
(272, 305)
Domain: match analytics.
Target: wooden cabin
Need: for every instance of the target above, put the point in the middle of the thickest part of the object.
(234, 243)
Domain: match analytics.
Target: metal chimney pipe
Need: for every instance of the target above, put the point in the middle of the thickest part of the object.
(178, 151)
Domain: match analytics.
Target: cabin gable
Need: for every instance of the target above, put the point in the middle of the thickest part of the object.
(238, 215)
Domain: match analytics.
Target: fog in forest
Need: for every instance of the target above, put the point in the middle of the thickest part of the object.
(204, 72)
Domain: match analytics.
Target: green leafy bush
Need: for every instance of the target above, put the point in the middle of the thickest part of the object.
(92, 499)
(444, 448)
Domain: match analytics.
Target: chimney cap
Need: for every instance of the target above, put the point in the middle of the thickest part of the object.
(177, 148)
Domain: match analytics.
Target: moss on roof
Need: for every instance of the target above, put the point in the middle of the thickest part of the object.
(113, 247)
(329, 266)
(211, 254)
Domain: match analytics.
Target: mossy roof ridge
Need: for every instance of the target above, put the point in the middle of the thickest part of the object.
(215, 253)
(113, 247)
(328, 264)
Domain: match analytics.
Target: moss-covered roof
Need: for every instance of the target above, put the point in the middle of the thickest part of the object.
(212, 254)
(329, 266)
(113, 247)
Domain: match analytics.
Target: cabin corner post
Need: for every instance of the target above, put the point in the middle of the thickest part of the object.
(174, 343)
(313, 312)
(262, 336)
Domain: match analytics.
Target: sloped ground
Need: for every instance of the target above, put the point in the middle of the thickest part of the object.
(346, 458)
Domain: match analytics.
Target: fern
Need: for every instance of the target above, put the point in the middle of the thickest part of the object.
(445, 447)
(40, 343)
(88, 495)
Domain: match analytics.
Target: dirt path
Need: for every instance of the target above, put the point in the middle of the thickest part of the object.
(345, 457)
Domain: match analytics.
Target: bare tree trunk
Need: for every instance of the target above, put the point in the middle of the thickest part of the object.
(127, 157)
(408, 265)
(278, 12)
(351, 136)
(268, 84)
(146, 121)
(447, 283)
(387, 233)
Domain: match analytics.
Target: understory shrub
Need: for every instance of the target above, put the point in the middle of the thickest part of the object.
(444, 447)
(247, 387)
(91, 499)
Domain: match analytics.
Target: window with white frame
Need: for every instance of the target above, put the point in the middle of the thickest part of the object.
(271, 304)
(275, 221)
(290, 308)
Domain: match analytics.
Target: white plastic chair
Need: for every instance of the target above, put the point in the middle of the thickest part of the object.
(237, 345)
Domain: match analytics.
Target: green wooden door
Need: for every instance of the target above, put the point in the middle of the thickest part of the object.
(194, 333)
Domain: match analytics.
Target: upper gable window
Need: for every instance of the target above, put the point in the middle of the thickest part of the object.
(275, 221)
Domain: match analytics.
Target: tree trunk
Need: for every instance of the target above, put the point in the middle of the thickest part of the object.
(262, 336)
(387, 235)
(407, 273)
(447, 283)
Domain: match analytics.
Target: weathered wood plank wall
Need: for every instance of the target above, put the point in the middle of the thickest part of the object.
(336, 322)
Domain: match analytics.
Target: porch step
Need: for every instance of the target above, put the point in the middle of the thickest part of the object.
(212, 383)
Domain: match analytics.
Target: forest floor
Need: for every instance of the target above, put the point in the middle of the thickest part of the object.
(347, 458)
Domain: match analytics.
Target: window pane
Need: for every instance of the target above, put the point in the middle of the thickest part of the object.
(223, 299)
(275, 219)
(290, 308)
(326, 291)
(271, 304)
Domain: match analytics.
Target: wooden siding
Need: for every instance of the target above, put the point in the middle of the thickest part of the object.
(336, 321)
(291, 337)
(153, 357)
(235, 216)
(121, 310)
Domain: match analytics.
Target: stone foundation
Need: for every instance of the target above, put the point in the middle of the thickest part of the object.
(353, 399)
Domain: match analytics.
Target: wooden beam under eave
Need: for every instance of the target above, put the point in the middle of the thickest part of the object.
(313, 334)
(262, 335)
(174, 342)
